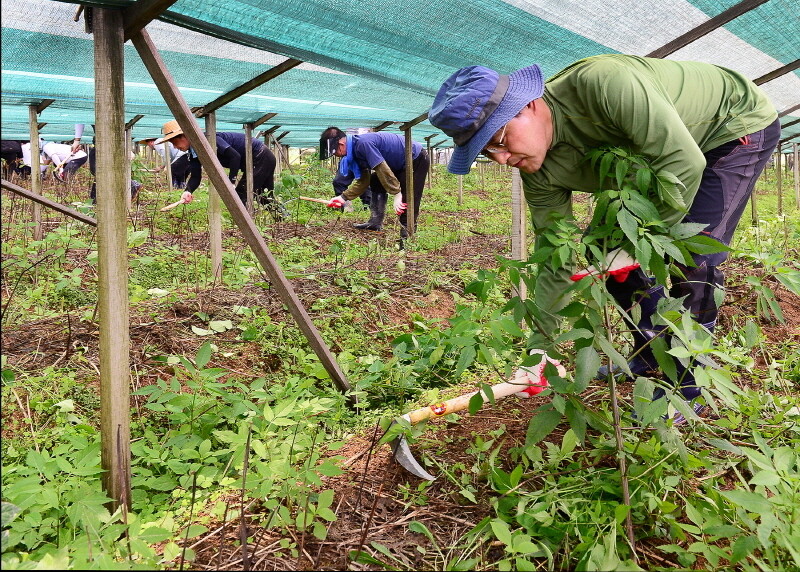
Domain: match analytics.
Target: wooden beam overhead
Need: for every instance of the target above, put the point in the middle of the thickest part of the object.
(705, 28)
(789, 110)
(413, 122)
(260, 79)
(778, 72)
(133, 121)
(789, 138)
(272, 129)
(262, 119)
(40, 125)
(136, 16)
(44, 104)
(785, 125)
(282, 135)
(382, 126)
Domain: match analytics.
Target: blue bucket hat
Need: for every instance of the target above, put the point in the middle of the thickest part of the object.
(475, 102)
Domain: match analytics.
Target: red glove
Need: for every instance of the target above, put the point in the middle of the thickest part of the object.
(618, 265)
(336, 203)
(534, 377)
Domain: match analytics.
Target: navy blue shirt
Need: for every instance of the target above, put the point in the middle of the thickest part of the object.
(230, 152)
(371, 149)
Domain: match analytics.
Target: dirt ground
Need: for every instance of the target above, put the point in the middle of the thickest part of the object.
(375, 498)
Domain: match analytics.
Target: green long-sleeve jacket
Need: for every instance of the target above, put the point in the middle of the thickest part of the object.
(669, 111)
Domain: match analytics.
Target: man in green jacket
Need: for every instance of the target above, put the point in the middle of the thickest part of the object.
(709, 126)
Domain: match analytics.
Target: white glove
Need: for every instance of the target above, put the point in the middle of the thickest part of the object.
(534, 376)
(399, 205)
(618, 265)
(187, 197)
(336, 203)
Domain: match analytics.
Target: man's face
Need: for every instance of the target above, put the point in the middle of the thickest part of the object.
(180, 142)
(341, 147)
(526, 139)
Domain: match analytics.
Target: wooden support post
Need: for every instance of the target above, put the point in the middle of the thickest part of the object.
(126, 165)
(796, 169)
(168, 164)
(36, 170)
(430, 166)
(214, 207)
(519, 250)
(248, 166)
(779, 175)
(410, 222)
(252, 235)
(112, 246)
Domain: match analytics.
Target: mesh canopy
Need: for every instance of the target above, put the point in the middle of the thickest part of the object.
(366, 62)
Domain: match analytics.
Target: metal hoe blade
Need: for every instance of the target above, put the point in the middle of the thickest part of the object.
(402, 454)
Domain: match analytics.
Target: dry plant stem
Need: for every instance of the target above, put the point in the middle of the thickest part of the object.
(367, 524)
(242, 518)
(305, 506)
(191, 515)
(623, 469)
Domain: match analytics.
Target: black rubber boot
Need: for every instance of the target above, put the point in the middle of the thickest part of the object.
(377, 209)
(699, 287)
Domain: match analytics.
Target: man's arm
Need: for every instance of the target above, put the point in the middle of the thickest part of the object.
(76, 142)
(387, 178)
(552, 284)
(357, 188)
(195, 173)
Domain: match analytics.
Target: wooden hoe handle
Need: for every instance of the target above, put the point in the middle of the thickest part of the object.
(172, 206)
(314, 200)
(461, 402)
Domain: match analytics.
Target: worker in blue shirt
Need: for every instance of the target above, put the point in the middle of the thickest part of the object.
(385, 155)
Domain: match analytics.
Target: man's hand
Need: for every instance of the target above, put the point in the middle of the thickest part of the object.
(399, 205)
(76, 145)
(336, 203)
(186, 198)
(534, 377)
(618, 265)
